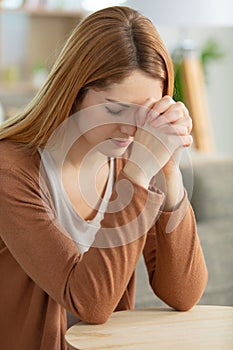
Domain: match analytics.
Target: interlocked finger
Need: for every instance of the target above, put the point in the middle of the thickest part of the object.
(173, 129)
(177, 114)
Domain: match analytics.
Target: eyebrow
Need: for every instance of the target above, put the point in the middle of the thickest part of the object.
(117, 102)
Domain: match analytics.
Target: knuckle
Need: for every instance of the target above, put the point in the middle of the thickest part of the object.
(168, 98)
(181, 105)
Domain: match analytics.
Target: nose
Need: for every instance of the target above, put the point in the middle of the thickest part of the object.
(128, 125)
(127, 129)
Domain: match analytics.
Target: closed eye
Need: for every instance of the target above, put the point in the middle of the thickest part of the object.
(114, 112)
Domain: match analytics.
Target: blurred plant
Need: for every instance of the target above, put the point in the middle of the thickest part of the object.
(210, 51)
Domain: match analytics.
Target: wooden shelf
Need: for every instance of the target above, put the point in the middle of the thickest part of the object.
(43, 12)
(55, 13)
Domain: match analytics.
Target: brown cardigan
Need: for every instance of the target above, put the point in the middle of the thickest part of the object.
(43, 274)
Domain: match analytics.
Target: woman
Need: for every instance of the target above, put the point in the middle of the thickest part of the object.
(89, 181)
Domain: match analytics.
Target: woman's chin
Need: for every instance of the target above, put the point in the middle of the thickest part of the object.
(111, 151)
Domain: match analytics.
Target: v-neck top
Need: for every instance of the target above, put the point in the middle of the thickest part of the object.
(81, 231)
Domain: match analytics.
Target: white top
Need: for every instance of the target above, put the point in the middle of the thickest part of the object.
(81, 231)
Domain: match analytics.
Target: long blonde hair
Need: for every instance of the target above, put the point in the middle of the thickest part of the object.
(104, 48)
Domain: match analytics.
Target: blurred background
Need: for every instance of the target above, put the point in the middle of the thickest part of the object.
(33, 31)
(199, 37)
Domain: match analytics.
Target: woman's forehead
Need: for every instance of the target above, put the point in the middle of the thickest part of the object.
(136, 88)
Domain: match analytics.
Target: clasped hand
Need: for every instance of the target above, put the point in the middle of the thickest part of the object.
(163, 128)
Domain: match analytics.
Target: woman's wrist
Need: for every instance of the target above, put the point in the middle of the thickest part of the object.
(135, 173)
(173, 188)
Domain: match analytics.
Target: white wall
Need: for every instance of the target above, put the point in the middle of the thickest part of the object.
(220, 79)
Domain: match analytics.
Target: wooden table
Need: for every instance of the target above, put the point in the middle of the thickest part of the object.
(202, 328)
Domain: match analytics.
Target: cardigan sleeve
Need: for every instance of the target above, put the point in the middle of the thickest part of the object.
(174, 258)
(88, 285)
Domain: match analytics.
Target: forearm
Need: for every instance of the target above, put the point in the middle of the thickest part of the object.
(137, 174)
(174, 259)
(99, 282)
(105, 272)
(169, 181)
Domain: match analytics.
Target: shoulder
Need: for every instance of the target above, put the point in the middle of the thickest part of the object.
(14, 156)
(21, 170)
